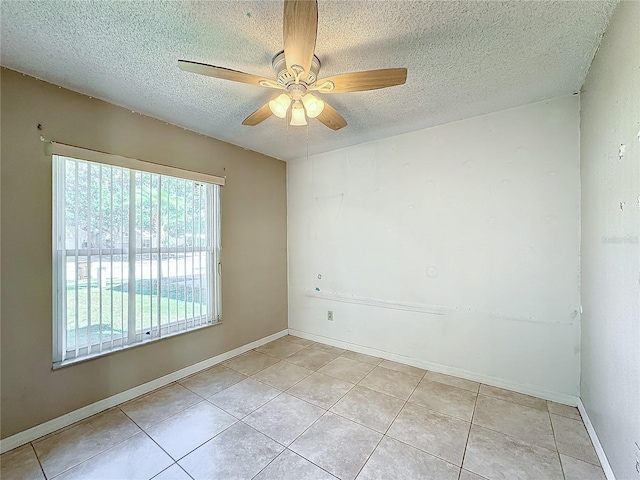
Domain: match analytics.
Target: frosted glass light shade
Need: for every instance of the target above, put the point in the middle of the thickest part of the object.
(313, 105)
(297, 115)
(280, 105)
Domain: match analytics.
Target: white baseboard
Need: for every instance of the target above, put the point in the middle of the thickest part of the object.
(596, 442)
(38, 431)
(563, 398)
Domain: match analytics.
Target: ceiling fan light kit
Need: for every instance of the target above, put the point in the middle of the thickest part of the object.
(296, 70)
(280, 105)
(298, 118)
(312, 105)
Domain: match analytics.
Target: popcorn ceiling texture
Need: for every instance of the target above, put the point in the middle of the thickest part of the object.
(464, 59)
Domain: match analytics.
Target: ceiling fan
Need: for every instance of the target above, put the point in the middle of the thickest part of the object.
(296, 69)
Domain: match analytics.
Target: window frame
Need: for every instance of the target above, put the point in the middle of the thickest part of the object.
(134, 338)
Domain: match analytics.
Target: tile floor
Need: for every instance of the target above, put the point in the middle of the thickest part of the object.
(298, 410)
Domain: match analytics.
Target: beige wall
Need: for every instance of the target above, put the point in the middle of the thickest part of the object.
(610, 256)
(253, 245)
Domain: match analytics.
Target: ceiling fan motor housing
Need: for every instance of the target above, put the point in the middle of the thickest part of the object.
(286, 78)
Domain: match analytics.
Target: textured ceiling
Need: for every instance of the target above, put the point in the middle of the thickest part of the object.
(464, 59)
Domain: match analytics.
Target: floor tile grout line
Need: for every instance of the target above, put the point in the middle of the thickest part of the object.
(567, 416)
(442, 413)
(332, 405)
(515, 439)
(255, 409)
(185, 472)
(147, 394)
(555, 441)
(270, 462)
(431, 454)
(369, 456)
(321, 468)
(286, 447)
(273, 355)
(355, 421)
(103, 451)
(481, 477)
(512, 401)
(298, 343)
(69, 427)
(165, 452)
(305, 431)
(493, 397)
(198, 446)
(424, 372)
(266, 434)
(176, 464)
(404, 404)
(404, 373)
(390, 425)
(187, 407)
(203, 399)
(579, 419)
(588, 438)
(368, 363)
(92, 456)
(203, 371)
(286, 359)
(582, 460)
(194, 449)
(425, 379)
(250, 375)
(291, 386)
(348, 381)
(473, 414)
(384, 393)
(306, 401)
(322, 416)
(33, 449)
(207, 398)
(359, 384)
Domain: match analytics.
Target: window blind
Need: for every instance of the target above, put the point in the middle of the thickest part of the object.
(136, 253)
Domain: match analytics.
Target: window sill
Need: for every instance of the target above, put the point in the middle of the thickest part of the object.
(93, 356)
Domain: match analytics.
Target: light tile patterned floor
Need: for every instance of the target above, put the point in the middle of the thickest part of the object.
(299, 410)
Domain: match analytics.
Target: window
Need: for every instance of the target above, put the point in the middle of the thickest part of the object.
(135, 254)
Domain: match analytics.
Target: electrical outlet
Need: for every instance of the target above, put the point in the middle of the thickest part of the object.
(330, 315)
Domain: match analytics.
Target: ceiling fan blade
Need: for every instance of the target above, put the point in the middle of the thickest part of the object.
(331, 118)
(361, 81)
(258, 116)
(300, 32)
(219, 72)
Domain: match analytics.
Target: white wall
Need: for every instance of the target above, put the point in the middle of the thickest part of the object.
(455, 246)
(610, 117)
